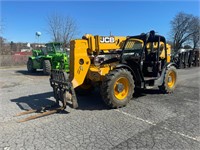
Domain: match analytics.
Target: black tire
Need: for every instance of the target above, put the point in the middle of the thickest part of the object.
(169, 80)
(114, 95)
(46, 67)
(30, 66)
(85, 89)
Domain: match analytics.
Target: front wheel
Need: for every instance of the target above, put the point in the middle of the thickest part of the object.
(117, 88)
(46, 67)
(169, 80)
(30, 66)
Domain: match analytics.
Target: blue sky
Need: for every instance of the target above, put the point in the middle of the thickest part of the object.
(22, 19)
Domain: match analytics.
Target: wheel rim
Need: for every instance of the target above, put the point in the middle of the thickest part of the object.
(171, 79)
(121, 88)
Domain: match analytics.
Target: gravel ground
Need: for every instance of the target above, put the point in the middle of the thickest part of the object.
(150, 121)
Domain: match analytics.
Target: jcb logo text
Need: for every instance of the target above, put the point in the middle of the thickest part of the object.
(107, 39)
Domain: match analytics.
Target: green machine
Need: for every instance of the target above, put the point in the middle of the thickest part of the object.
(52, 56)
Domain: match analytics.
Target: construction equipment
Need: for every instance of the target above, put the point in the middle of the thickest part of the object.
(53, 56)
(97, 61)
(186, 58)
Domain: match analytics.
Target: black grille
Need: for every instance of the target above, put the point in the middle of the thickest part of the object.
(59, 76)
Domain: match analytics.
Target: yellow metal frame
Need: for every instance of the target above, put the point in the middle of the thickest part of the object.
(80, 62)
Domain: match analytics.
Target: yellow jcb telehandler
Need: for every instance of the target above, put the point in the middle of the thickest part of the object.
(144, 60)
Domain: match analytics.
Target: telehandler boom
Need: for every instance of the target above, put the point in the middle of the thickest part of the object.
(118, 65)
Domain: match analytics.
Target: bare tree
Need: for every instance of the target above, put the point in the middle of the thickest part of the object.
(195, 27)
(182, 29)
(61, 28)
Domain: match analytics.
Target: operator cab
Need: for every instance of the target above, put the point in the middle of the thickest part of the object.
(133, 49)
(142, 53)
(54, 47)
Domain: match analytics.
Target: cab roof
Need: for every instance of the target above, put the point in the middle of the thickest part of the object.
(149, 37)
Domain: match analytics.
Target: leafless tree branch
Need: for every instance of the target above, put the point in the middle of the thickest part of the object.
(184, 28)
(61, 28)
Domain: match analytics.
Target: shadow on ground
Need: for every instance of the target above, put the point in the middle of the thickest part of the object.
(152, 91)
(34, 101)
(25, 72)
(91, 102)
(144, 92)
(94, 101)
(87, 102)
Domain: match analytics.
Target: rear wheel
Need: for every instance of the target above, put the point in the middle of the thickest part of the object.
(30, 66)
(46, 67)
(117, 88)
(169, 81)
